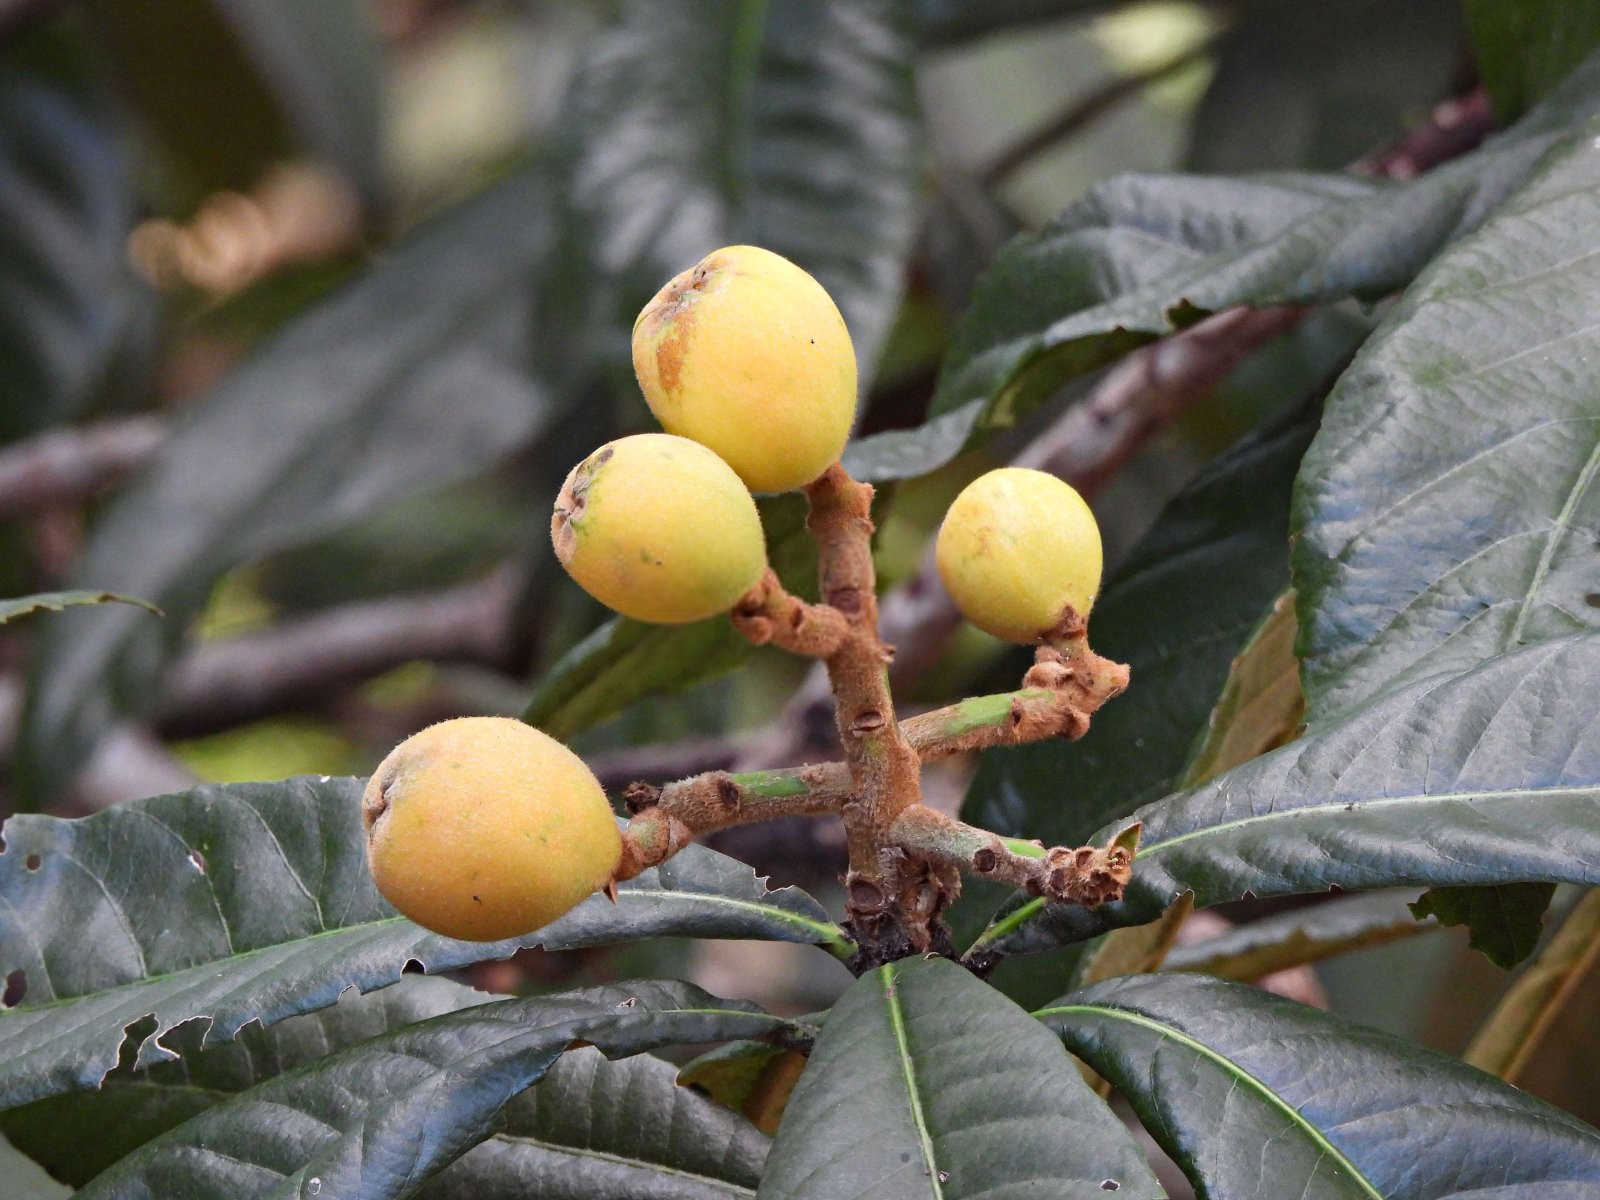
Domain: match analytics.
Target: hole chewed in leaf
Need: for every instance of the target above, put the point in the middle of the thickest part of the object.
(16, 987)
(32, 862)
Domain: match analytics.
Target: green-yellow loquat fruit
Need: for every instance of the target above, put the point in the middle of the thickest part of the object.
(658, 528)
(746, 353)
(485, 828)
(1017, 549)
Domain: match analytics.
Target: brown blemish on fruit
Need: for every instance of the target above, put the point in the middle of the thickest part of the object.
(669, 353)
(375, 801)
(570, 503)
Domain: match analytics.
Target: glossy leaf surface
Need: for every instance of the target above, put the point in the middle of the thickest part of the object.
(377, 1119)
(253, 902)
(1448, 506)
(1258, 1098)
(1477, 778)
(927, 1083)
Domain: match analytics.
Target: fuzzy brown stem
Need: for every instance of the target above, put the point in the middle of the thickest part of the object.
(884, 769)
(768, 613)
(1087, 875)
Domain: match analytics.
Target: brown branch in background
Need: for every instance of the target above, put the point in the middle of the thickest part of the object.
(1090, 108)
(1454, 127)
(67, 467)
(299, 662)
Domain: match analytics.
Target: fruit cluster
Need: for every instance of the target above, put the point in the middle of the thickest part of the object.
(485, 828)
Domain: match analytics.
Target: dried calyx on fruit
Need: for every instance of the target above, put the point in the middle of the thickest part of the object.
(747, 354)
(1020, 552)
(484, 828)
(658, 528)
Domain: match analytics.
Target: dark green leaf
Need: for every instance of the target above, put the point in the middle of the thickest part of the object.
(1258, 1098)
(377, 1119)
(951, 22)
(1526, 47)
(1447, 509)
(1141, 256)
(72, 319)
(253, 902)
(1177, 612)
(1505, 919)
(408, 379)
(80, 1134)
(783, 123)
(21, 606)
(1321, 85)
(1490, 776)
(928, 1083)
(1302, 935)
(299, 77)
(620, 1128)
(598, 1130)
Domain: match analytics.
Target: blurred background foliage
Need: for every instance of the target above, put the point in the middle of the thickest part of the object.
(357, 277)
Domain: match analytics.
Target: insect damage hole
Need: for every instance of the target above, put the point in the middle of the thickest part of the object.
(15, 989)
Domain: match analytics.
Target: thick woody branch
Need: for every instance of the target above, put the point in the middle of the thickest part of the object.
(224, 683)
(1087, 875)
(65, 467)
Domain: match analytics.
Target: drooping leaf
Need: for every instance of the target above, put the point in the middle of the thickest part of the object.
(1301, 936)
(780, 123)
(1260, 707)
(21, 606)
(587, 1126)
(593, 1129)
(927, 1083)
(1487, 777)
(1505, 919)
(79, 1134)
(1446, 510)
(1525, 47)
(1322, 85)
(253, 902)
(409, 378)
(72, 319)
(377, 1119)
(1141, 256)
(1510, 1034)
(297, 78)
(1258, 1098)
(1177, 612)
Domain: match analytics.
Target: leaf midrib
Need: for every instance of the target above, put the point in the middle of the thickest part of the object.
(1149, 850)
(587, 1152)
(1233, 1070)
(897, 1025)
(836, 944)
